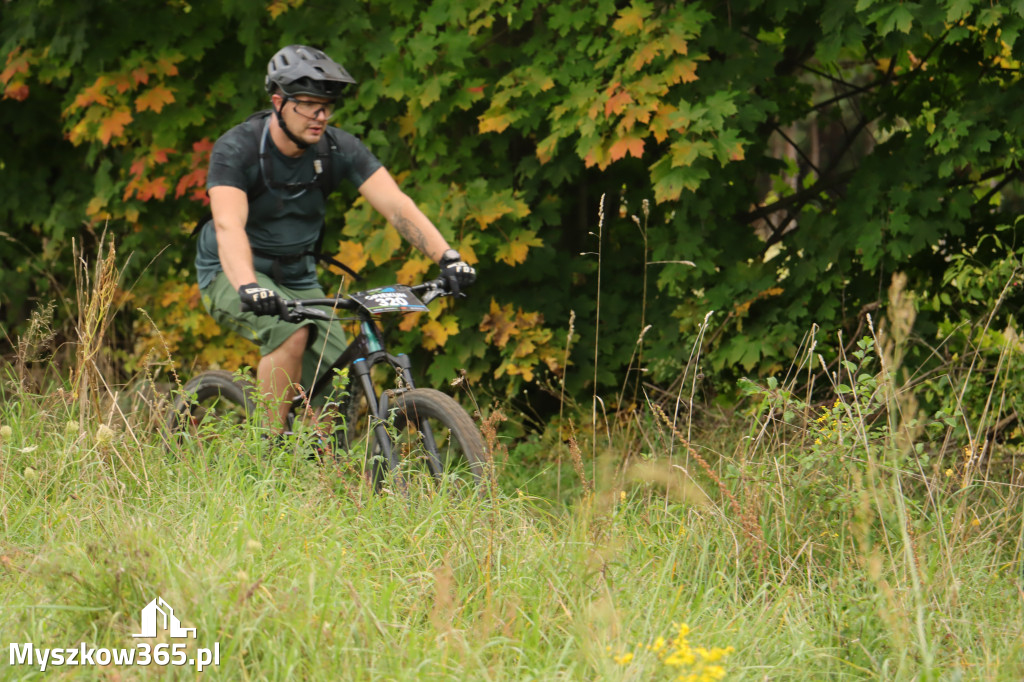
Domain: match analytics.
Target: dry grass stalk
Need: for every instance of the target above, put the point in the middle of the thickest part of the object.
(577, 461)
(95, 303)
(747, 518)
(496, 450)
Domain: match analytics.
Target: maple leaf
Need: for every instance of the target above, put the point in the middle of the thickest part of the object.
(196, 178)
(515, 250)
(277, 8)
(160, 155)
(490, 210)
(95, 205)
(677, 43)
(352, 254)
(626, 145)
(436, 332)
(664, 121)
(153, 189)
(138, 166)
(92, 94)
(16, 91)
(140, 76)
(166, 65)
(16, 63)
(630, 21)
(498, 324)
(155, 98)
(682, 71)
(113, 126)
(616, 103)
(496, 122)
(382, 243)
(122, 82)
(413, 269)
(410, 322)
(597, 156)
(645, 55)
(546, 147)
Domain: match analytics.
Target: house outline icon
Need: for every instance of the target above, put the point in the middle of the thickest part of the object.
(170, 622)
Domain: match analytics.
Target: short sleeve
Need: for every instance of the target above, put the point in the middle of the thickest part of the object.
(228, 163)
(353, 159)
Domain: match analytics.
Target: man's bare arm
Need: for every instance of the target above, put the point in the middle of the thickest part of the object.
(384, 194)
(230, 207)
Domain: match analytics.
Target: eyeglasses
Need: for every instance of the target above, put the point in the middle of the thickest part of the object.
(313, 109)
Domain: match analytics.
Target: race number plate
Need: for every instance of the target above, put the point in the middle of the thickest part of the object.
(393, 299)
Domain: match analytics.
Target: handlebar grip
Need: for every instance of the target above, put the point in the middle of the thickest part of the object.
(246, 308)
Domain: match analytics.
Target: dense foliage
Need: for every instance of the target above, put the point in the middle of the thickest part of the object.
(797, 154)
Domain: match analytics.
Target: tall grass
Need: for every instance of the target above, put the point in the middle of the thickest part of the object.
(795, 540)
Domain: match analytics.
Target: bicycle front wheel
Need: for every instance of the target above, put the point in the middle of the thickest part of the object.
(215, 398)
(429, 433)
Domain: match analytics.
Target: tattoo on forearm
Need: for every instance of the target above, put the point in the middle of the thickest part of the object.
(408, 229)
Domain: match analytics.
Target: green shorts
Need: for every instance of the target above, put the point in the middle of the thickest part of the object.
(327, 340)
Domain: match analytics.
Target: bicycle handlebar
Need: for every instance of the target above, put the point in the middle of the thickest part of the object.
(426, 291)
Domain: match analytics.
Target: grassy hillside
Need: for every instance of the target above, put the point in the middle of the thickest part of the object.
(729, 559)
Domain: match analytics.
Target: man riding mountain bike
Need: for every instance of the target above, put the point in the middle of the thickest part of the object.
(268, 181)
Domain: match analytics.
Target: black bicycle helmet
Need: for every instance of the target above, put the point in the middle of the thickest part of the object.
(302, 70)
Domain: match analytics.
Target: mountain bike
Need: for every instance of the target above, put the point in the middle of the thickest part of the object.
(396, 429)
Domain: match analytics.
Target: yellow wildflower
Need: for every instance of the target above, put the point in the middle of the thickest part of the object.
(949, 473)
(624, 659)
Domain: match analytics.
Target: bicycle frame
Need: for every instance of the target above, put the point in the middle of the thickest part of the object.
(365, 352)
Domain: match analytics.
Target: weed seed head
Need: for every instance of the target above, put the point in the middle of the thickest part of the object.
(104, 435)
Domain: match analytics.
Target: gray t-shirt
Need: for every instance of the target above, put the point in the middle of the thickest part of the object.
(279, 223)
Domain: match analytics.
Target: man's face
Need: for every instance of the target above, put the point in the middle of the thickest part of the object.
(305, 115)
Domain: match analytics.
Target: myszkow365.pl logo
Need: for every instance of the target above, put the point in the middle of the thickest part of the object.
(157, 616)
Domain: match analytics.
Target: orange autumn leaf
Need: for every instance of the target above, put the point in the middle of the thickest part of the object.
(113, 126)
(160, 155)
(92, 94)
(617, 103)
(154, 99)
(626, 145)
(153, 189)
(16, 91)
(197, 178)
(16, 63)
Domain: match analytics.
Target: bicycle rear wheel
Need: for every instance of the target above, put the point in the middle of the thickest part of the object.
(214, 399)
(430, 433)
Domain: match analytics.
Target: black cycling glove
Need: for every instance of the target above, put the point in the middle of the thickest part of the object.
(456, 273)
(261, 300)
